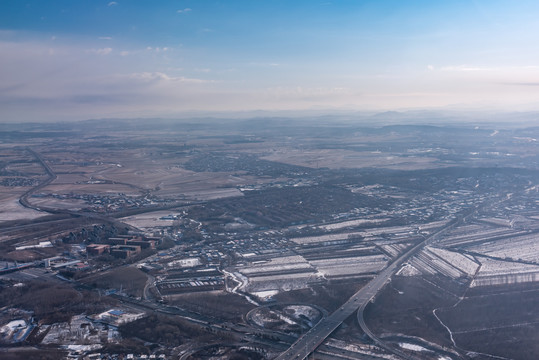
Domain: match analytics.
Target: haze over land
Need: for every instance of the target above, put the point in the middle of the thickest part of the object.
(256, 180)
(269, 239)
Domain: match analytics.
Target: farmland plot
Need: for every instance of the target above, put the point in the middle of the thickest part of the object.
(432, 261)
(497, 272)
(524, 247)
(350, 266)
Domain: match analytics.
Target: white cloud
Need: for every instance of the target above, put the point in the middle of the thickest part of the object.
(264, 64)
(158, 49)
(112, 3)
(103, 51)
(184, 10)
(302, 93)
(67, 80)
(467, 68)
(162, 77)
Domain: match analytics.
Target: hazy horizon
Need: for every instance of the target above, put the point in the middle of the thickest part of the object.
(62, 60)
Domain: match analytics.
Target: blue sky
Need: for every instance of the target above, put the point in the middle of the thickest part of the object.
(62, 60)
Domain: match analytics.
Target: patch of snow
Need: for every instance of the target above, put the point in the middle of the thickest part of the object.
(412, 347)
(266, 294)
(42, 244)
(16, 323)
(408, 270)
(84, 347)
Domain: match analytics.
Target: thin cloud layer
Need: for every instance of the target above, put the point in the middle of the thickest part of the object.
(67, 61)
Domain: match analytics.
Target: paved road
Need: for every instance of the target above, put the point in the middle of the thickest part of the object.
(108, 218)
(306, 344)
(51, 177)
(312, 339)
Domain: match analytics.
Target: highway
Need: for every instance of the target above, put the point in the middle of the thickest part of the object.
(308, 343)
(109, 218)
(51, 177)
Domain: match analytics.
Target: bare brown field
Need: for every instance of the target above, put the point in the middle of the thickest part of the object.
(31, 255)
(128, 279)
(500, 321)
(95, 189)
(33, 354)
(19, 172)
(64, 204)
(518, 342)
(128, 170)
(338, 158)
(28, 168)
(217, 304)
(71, 178)
(503, 323)
(406, 305)
(11, 209)
(149, 219)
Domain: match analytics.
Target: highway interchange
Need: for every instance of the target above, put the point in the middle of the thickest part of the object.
(308, 343)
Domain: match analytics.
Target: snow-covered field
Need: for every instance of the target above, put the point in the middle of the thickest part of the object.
(326, 237)
(350, 266)
(432, 260)
(150, 220)
(464, 263)
(524, 247)
(11, 209)
(497, 221)
(432, 225)
(497, 272)
(266, 294)
(412, 347)
(280, 273)
(475, 233)
(395, 232)
(280, 264)
(284, 282)
(351, 223)
(394, 249)
(254, 271)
